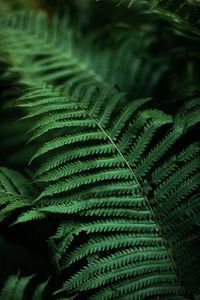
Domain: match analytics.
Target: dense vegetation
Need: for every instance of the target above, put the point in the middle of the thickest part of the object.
(100, 166)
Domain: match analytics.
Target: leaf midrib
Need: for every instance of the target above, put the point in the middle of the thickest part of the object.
(142, 192)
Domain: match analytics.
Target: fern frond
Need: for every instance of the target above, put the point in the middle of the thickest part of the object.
(172, 164)
(183, 14)
(74, 153)
(126, 113)
(80, 166)
(77, 181)
(16, 192)
(112, 242)
(120, 258)
(58, 57)
(62, 141)
(90, 183)
(15, 288)
(38, 293)
(113, 174)
(30, 215)
(153, 290)
(134, 269)
(171, 183)
(16, 285)
(55, 46)
(118, 212)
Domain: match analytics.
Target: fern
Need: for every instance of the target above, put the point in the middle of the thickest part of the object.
(66, 178)
(113, 173)
(53, 47)
(183, 13)
(15, 288)
(59, 57)
(16, 192)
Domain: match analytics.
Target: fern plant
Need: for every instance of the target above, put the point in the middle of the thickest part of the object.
(185, 13)
(111, 178)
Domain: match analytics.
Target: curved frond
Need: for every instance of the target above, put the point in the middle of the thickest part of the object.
(89, 185)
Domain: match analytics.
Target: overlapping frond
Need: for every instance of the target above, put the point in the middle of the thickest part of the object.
(100, 186)
(185, 14)
(17, 193)
(123, 190)
(58, 56)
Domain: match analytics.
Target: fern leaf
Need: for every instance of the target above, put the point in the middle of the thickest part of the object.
(80, 166)
(183, 14)
(92, 185)
(30, 215)
(58, 42)
(62, 141)
(77, 181)
(74, 153)
(16, 192)
(127, 112)
(110, 174)
(15, 285)
(15, 288)
(38, 293)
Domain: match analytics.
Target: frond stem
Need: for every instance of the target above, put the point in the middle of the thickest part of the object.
(144, 195)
